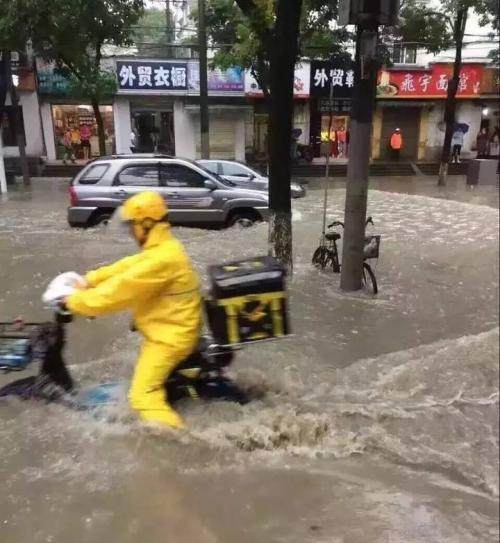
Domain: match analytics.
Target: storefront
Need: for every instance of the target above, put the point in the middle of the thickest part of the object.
(330, 117)
(413, 101)
(158, 102)
(258, 124)
(80, 120)
(61, 114)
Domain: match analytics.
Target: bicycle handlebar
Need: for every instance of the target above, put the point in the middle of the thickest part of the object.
(369, 220)
(336, 223)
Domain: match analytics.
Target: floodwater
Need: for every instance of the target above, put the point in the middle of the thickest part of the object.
(379, 421)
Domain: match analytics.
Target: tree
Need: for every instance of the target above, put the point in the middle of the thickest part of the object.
(13, 39)
(266, 37)
(439, 27)
(238, 43)
(73, 33)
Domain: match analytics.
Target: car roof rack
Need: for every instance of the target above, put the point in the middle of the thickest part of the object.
(134, 156)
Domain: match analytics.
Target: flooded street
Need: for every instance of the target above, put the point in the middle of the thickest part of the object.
(379, 419)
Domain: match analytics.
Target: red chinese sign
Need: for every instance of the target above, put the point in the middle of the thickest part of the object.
(431, 83)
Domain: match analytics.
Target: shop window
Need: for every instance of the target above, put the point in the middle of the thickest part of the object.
(145, 175)
(177, 175)
(93, 174)
(8, 126)
(81, 121)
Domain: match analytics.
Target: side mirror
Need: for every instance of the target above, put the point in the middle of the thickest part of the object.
(209, 184)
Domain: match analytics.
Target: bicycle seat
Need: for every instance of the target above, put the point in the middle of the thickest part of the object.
(332, 236)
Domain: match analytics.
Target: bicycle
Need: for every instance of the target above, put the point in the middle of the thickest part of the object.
(327, 254)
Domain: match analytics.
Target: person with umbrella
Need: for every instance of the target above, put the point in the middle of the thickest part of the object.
(457, 141)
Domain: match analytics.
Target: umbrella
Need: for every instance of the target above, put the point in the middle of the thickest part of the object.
(461, 127)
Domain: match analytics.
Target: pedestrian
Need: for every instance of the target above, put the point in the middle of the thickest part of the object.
(341, 137)
(495, 144)
(75, 140)
(396, 143)
(68, 147)
(133, 142)
(457, 140)
(85, 133)
(482, 143)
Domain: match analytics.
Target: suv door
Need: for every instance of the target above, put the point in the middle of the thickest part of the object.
(188, 198)
(136, 177)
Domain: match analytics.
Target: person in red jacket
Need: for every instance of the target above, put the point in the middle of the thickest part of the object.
(396, 143)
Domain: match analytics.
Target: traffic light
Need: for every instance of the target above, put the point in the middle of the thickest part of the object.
(362, 12)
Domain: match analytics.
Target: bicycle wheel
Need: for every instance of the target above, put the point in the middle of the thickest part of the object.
(369, 279)
(320, 257)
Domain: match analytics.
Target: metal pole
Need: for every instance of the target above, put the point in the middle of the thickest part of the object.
(3, 179)
(363, 105)
(202, 49)
(327, 167)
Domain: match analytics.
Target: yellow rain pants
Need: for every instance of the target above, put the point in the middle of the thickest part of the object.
(161, 289)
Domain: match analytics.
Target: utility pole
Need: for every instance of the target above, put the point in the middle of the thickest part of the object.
(202, 53)
(367, 15)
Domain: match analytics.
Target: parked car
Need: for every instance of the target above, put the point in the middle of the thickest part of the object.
(194, 194)
(245, 176)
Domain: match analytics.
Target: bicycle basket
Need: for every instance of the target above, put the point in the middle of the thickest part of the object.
(372, 247)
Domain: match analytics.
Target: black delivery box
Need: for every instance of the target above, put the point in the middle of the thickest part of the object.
(248, 301)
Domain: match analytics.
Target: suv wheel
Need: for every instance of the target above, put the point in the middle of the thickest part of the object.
(243, 219)
(100, 217)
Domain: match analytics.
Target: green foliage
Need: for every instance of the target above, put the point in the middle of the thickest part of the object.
(245, 40)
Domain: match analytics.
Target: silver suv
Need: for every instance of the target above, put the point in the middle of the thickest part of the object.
(194, 195)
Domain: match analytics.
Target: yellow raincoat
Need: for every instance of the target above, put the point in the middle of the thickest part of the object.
(161, 289)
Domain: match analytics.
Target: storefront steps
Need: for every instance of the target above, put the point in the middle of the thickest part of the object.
(377, 169)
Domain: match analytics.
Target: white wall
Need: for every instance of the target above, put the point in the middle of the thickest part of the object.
(123, 124)
(48, 130)
(185, 142)
(470, 113)
(32, 125)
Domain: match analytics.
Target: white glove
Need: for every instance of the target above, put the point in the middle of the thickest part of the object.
(60, 287)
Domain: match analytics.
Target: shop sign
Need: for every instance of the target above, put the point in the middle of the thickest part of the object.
(219, 81)
(334, 106)
(300, 84)
(431, 83)
(50, 81)
(152, 75)
(338, 76)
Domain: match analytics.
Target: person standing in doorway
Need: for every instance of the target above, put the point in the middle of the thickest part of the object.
(341, 137)
(68, 146)
(85, 133)
(396, 143)
(482, 143)
(75, 140)
(495, 144)
(457, 141)
(133, 142)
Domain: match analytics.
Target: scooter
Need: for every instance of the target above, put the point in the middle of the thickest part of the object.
(200, 377)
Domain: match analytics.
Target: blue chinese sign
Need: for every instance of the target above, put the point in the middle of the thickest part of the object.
(152, 75)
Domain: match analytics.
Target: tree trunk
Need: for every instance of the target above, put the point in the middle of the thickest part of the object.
(18, 122)
(283, 55)
(451, 103)
(100, 127)
(363, 104)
